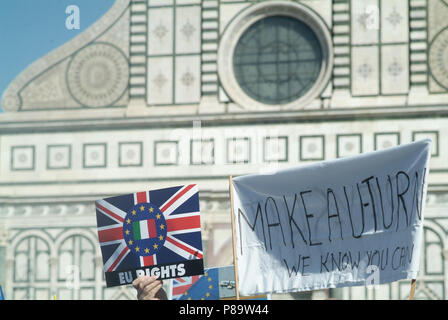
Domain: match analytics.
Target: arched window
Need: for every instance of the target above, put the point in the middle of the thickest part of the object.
(31, 269)
(76, 268)
(433, 264)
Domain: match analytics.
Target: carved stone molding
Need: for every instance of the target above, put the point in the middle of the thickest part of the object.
(438, 58)
(35, 210)
(42, 79)
(98, 75)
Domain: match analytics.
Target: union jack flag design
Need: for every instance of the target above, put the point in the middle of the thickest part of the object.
(217, 283)
(181, 285)
(156, 227)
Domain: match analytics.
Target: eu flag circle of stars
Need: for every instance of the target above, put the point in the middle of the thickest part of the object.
(150, 246)
(208, 288)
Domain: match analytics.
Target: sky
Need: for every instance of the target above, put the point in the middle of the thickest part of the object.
(29, 29)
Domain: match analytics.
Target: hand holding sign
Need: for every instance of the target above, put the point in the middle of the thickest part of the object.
(149, 288)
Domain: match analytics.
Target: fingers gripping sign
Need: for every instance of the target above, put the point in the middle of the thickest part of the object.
(149, 288)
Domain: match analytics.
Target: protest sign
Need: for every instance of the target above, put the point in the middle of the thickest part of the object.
(217, 283)
(350, 221)
(156, 232)
(205, 287)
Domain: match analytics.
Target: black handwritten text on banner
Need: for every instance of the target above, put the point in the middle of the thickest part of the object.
(332, 223)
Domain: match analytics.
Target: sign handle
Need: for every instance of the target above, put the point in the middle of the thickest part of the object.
(233, 239)
(411, 294)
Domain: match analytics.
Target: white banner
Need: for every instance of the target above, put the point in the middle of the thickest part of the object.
(351, 221)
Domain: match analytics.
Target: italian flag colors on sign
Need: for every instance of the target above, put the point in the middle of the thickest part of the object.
(144, 229)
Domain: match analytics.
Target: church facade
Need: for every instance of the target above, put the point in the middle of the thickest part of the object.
(162, 93)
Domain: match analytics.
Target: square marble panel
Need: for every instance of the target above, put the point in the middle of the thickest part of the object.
(238, 150)
(394, 69)
(94, 155)
(188, 79)
(59, 156)
(433, 135)
(275, 149)
(394, 21)
(202, 151)
(386, 140)
(160, 80)
(130, 154)
(365, 21)
(166, 153)
(160, 31)
(312, 148)
(348, 145)
(22, 158)
(188, 29)
(365, 71)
